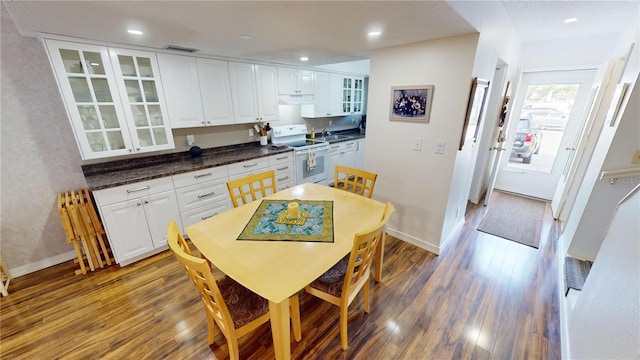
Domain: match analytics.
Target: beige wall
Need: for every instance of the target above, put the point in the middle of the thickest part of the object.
(418, 183)
(39, 157)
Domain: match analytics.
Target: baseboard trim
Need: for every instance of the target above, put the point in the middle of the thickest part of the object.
(414, 241)
(42, 264)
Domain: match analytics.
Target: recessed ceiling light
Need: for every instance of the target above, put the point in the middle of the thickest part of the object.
(245, 37)
(304, 58)
(135, 32)
(570, 20)
(375, 33)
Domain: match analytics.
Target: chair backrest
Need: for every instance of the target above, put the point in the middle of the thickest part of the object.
(200, 273)
(364, 248)
(354, 180)
(252, 187)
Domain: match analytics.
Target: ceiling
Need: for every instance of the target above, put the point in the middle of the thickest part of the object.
(325, 31)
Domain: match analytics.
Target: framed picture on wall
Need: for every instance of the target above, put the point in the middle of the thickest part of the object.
(475, 107)
(411, 103)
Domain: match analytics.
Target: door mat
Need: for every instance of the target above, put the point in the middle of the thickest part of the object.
(269, 222)
(515, 218)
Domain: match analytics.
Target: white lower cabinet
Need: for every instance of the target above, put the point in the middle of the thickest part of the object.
(202, 194)
(282, 164)
(136, 216)
(342, 153)
(360, 153)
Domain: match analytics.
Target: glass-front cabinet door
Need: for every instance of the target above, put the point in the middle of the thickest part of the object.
(90, 94)
(352, 94)
(346, 94)
(142, 98)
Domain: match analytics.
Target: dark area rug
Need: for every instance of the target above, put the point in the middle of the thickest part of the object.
(513, 217)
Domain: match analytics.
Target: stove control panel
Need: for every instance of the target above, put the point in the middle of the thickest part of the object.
(289, 130)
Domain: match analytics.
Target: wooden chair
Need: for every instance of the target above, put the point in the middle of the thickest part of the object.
(340, 284)
(235, 309)
(5, 278)
(354, 180)
(252, 187)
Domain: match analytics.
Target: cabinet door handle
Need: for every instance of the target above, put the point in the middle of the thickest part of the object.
(283, 178)
(146, 201)
(139, 203)
(202, 175)
(282, 168)
(282, 158)
(138, 189)
(252, 165)
(205, 195)
(206, 217)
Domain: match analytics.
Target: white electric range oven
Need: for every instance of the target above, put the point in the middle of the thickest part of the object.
(310, 155)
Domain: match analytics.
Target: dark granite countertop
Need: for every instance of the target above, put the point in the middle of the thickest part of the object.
(122, 172)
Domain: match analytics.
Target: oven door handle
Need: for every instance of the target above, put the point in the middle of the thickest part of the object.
(317, 150)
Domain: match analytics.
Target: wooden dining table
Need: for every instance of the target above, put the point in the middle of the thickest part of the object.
(276, 270)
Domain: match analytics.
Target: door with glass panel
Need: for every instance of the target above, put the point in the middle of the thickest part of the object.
(89, 90)
(549, 106)
(143, 100)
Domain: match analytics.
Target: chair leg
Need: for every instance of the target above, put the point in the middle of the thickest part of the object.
(211, 324)
(344, 311)
(234, 353)
(366, 296)
(294, 310)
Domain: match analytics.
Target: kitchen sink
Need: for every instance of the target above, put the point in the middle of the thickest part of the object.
(336, 137)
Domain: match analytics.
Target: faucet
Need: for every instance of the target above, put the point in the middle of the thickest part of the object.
(325, 133)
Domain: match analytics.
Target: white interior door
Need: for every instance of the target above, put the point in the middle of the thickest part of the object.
(544, 122)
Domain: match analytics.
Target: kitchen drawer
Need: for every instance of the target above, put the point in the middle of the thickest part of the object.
(282, 168)
(196, 215)
(248, 167)
(194, 196)
(285, 176)
(342, 146)
(278, 159)
(200, 176)
(132, 191)
(284, 185)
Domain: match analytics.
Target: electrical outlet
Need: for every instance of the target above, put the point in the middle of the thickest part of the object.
(330, 123)
(636, 157)
(353, 120)
(417, 144)
(250, 132)
(191, 140)
(439, 147)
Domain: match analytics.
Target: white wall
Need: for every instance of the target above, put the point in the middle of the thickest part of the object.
(598, 198)
(498, 44)
(600, 328)
(418, 183)
(355, 67)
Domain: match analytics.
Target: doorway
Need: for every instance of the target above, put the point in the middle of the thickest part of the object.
(544, 122)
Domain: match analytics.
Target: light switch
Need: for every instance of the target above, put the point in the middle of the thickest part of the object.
(439, 147)
(417, 144)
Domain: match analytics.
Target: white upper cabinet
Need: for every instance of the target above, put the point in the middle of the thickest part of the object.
(327, 94)
(293, 81)
(254, 92)
(182, 90)
(90, 94)
(215, 89)
(142, 98)
(197, 90)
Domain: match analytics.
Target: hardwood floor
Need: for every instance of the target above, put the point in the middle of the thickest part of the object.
(483, 298)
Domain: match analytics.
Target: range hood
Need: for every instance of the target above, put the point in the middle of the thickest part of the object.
(284, 99)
